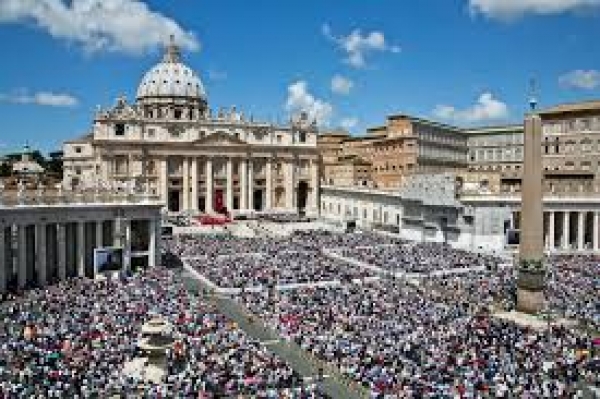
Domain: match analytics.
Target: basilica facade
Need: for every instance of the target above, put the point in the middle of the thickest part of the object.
(170, 144)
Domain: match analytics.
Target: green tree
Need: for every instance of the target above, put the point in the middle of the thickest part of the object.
(5, 170)
(54, 165)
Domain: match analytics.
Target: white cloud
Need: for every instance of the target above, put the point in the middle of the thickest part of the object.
(127, 26)
(349, 123)
(487, 108)
(341, 85)
(44, 98)
(300, 100)
(581, 79)
(510, 9)
(357, 46)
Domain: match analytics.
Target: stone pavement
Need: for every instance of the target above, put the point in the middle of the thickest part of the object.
(333, 383)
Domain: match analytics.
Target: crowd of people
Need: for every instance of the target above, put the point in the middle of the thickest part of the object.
(432, 339)
(204, 245)
(421, 258)
(427, 337)
(72, 340)
(574, 287)
(283, 268)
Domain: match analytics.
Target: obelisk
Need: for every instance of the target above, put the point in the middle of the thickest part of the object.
(532, 272)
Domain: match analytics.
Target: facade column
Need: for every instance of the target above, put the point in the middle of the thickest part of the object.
(551, 230)
(580, 230)
(595, 232)
(566, 232)
(185, 165)
(41, 256)
(314, 185)
(229, 184)
(81, 249)
(163, 181)
(62, 251)
(243, 170)
(194, 174)
(269, 184)
(251, 184)
(209, 186)
(22, 257)
(290, 184)
(3, 252)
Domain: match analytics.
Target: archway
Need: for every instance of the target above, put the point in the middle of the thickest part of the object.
(302, 194)
(174, 205)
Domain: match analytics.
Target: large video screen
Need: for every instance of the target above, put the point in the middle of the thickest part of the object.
(108, 259)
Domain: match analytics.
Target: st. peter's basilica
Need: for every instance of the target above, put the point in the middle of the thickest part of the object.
(169, 143)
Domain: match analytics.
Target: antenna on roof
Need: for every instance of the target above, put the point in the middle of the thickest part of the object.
(533, 101)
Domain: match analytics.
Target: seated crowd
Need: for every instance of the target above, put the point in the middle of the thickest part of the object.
(574, 287)
(198, 245)
(419, 258)
(72, 340)
(284, 268)
(434, 339)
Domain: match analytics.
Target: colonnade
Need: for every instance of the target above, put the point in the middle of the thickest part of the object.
(37, 251)
(568, 230)
(571, 230)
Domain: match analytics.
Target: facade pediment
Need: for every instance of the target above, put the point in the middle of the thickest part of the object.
(219, 138)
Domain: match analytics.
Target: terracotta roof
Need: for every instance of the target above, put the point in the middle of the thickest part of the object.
(592, 105)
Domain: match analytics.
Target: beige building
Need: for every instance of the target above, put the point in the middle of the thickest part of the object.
(404, 145)
(170, 143)
(348, 171)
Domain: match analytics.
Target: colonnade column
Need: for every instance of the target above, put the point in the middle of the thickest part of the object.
(581, 230)
(185, 165)
(250, 184)
(551, 230)
(595, 232)
(22, 257)
(243, 170)
(3, 257)
(269, 184)
(153, 234)
(194, 199)
(566, 228)
(209, 186)
(229, 184)
(81, 249)
(127, 245)
(62, 251)
(163, 181)
(99, 234)
(41, 256)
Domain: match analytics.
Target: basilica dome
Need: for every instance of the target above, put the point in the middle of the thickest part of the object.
(171, 78)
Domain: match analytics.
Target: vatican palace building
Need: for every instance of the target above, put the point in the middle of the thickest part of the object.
(170, 144)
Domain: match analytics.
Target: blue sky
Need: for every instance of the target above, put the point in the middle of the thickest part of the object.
(350, 63)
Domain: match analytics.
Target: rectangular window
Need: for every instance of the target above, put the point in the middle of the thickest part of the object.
(120, 129)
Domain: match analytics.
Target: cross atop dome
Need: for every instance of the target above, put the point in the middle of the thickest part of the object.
(172, 53)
